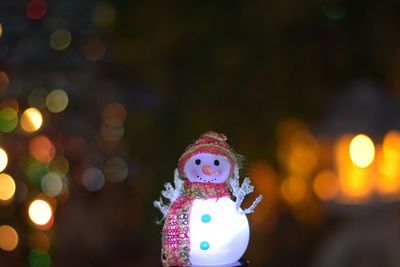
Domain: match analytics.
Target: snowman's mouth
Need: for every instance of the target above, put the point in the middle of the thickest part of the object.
(206, 180)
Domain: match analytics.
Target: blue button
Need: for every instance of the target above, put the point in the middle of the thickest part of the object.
(204, 245)
(206, 218)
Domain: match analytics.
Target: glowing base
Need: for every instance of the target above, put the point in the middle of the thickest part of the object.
(219, 233)
(242, 263)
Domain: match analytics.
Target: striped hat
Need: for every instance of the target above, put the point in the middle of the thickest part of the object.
(210, 142)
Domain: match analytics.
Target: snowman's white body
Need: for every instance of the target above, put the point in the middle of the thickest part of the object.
(219, 232)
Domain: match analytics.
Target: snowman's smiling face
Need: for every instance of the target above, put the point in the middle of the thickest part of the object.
(207, 168)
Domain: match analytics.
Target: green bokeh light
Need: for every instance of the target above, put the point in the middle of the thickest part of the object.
(39, 258)
(8, 120)
(334, 12)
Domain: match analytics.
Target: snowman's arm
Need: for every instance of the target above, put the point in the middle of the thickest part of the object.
(161, 206)
(170, 193)
(254, 205)
(240, 191)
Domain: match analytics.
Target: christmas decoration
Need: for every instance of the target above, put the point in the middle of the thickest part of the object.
(203, 225)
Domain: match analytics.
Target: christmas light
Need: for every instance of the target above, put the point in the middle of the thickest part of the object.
(8, 119)
(60, 39)
(3, 159)
(40, 212)
(93, 179)
(362, 151)
(115, 170)
(31, 120)
(42, 149)
(57, 101)
(51, 184)
(7, 187)
(8, 238)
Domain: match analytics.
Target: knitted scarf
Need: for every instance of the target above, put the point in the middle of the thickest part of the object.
(175, 234)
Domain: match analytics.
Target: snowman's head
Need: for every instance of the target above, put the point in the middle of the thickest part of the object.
(208, 160)
(208, 168)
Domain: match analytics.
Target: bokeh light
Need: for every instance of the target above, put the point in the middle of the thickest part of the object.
(8, 119)
(112, 134)
(356, 183)
(37, 98)
(39, 240)
(8, 238)
(389, 164)
(59, 165)
(42, 149)
(93, 179)
(60, 39)
(39, 258)
(293, 189)
(104, 15)
(36, 9)
(52, 184)
(7, 187)
(362, 151)
(114, 114)
(4, 81)
(115, 170)
(94, 50)
(31, 120)
(57, 101)
(3, 159)
(40, 212)
(33, 169)
(9, 102)
(326, 185)
(1, 30)
(334, 12)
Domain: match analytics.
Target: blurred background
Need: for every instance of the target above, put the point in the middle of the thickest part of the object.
(98, 99)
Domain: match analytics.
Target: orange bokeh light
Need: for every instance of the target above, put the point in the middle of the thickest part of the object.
(42, 149)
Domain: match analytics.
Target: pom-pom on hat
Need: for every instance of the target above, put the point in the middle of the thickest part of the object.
(210, 142)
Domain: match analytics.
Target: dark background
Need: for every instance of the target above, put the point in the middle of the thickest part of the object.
(181, 68)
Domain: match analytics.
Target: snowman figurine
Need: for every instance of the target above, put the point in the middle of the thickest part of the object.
(204, 224)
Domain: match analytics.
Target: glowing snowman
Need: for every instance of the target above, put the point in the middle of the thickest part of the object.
(203, 226)
(219, 232)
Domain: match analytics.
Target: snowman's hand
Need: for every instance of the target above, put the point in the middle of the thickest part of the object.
(242, 191)
(172, 193)
(253, 206)
(161, 206)
(169, 192)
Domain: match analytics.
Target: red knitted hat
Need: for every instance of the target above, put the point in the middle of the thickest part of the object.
(210, 142)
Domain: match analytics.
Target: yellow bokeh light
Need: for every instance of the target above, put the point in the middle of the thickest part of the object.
(1, 29)
(362, 151)
(389, 164)
(60, 39)
(3, 159)
(326, 185)
(7, 187)
(31, 120)
(57, 101)
(8, 238)
(294, 189)
(356, 184)
(40, 212)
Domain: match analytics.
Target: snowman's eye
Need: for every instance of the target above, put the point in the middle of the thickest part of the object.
(216, 162)
(197, 162)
